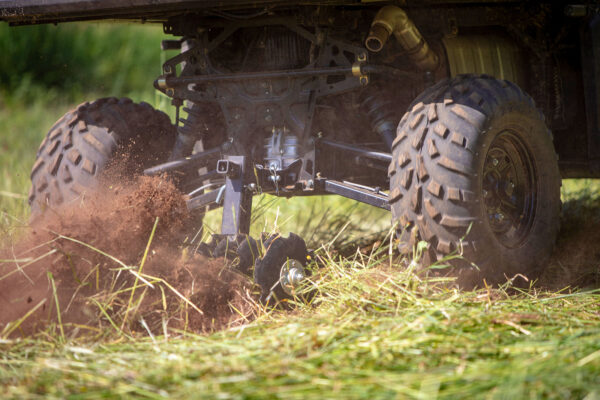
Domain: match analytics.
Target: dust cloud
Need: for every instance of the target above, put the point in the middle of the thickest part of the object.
(82, 261)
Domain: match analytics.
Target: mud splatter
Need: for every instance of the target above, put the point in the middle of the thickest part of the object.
(91, 251)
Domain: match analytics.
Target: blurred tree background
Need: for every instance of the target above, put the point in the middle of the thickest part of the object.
(78, 58)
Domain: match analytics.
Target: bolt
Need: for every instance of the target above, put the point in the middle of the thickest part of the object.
(252, 187)
(495, 162)
(295, 277)
(291, 276)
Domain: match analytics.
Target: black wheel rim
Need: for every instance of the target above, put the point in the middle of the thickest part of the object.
(509, 189)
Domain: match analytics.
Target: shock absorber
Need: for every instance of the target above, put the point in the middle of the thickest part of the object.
(191, 129)
(381, 112)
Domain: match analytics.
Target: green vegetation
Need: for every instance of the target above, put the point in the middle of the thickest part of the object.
(374, 330)
(372, 333)
(72, 59)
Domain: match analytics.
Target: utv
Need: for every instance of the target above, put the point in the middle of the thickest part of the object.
(438, 110)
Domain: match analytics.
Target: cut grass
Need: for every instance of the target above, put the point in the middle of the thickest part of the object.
(375, 333)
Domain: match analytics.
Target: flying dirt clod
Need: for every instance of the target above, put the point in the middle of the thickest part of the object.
(84, 249)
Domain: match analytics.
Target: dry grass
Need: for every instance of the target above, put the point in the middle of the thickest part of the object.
(372, 331)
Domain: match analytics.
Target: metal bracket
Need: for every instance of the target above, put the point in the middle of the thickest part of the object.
(364, 194)
(228, 168)
(203, 200)
(191, 163)
(237, 206)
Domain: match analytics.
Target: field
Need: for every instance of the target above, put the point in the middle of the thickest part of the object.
(375, 329)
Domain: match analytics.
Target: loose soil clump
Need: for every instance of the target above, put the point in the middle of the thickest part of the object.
(93, 264)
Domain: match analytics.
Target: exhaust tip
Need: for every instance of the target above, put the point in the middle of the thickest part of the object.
(373, 44)
(377, 38)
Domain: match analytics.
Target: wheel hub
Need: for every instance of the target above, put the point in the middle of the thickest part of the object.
(509, 189)
(291, 276)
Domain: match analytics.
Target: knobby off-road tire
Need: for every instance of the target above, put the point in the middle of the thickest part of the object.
(79, 148)
(474, 171)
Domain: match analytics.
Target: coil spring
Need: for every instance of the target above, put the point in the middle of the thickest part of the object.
(195, 127)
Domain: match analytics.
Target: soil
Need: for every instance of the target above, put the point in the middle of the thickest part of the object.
(575, 261)
(93, 290)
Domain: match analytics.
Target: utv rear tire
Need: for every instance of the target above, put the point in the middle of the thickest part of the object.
(474, 172)
(79, 148)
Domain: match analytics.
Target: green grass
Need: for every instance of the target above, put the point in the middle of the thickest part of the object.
(373, 334)
(373, 331)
